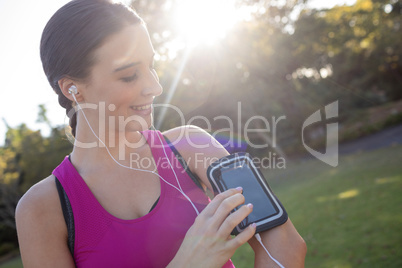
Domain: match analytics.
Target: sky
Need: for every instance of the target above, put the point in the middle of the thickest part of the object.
(23, 83)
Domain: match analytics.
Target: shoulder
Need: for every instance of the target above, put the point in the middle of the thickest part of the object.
(39, 199)
(40, 206)
(192, 140)
(41, 229)
(181, 131)
(40, 223)
(39, 213)
(197, 147)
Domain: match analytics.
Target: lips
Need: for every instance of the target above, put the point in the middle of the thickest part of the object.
(141, 108)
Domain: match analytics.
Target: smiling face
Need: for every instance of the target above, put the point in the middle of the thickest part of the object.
(123, 78)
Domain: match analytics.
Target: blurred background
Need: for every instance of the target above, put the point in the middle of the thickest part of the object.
(238, 59)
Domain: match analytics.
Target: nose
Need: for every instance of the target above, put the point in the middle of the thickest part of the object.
(151, 86)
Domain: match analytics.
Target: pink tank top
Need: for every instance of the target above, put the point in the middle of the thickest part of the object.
(103, 240)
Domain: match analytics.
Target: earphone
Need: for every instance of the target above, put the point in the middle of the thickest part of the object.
(73, 91)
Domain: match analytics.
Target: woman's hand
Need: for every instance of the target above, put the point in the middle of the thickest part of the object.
(208, 242)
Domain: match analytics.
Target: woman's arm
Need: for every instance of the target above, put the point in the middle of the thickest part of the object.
(42, 232)
(283, 242)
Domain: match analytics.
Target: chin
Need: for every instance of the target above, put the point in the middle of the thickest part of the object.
(136, 124)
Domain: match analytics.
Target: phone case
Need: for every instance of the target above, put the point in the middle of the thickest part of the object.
(214, 173)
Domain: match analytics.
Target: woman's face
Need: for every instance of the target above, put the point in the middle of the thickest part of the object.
(122, 82)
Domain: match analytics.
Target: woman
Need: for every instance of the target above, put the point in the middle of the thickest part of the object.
(98, 57)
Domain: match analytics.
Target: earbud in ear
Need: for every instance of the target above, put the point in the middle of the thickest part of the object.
(73, 90)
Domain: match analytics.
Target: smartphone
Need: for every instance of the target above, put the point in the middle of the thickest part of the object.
(239, 170)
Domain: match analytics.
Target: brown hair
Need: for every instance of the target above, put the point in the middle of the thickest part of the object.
(71, 37)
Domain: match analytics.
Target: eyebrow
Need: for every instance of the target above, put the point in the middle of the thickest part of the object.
(126, 66)
(131, 64)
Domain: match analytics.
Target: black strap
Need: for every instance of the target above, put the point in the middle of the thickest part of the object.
(183, 163)
(154, 205)
(68, 215)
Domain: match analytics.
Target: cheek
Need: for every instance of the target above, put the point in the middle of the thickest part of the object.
(112, 91)
(118, 95)
(118, 105)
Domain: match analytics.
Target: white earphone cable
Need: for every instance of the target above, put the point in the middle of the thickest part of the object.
(258, 237)
(137, 169)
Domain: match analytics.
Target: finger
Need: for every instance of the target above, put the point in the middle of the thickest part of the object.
(234, 219)
(218, 199)
(225, 207)
(243, 237)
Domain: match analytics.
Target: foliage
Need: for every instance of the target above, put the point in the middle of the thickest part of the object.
(277, 64)
(360, 45)
(26, 158)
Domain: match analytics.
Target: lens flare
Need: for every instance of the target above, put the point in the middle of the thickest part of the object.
(205, 21)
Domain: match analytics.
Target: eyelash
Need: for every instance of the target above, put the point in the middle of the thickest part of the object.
(130, 78)
(135, 76)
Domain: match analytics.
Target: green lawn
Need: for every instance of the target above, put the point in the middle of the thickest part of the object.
(350, 216)
(14, 263)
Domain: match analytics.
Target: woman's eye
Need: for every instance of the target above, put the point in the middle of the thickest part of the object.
(129, 79)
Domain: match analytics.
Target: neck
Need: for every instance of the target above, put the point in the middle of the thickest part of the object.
(91, 154)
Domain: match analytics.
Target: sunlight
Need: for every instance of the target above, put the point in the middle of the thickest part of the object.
(387, 180)
(348, 194)
(126, 2)
(343, 195)
(205, 21)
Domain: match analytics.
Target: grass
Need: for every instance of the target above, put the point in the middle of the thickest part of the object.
(349, 216)
(14, 263)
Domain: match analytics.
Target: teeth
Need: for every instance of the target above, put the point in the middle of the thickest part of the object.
(139, 108)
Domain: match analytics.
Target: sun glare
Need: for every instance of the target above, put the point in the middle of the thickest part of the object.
(205, 21)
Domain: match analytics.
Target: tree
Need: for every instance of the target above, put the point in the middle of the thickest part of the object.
(361, 46)
(276, 64)
(26, 158)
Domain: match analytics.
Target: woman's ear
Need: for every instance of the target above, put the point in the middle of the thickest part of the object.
(69, 86)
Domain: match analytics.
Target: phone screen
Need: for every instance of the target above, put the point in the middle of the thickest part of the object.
(236, 175)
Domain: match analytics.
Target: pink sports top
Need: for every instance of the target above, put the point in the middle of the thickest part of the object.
(103, 240)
